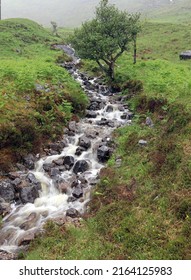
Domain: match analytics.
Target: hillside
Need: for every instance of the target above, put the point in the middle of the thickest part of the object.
(73, 13)
(142, 208)
(37, 97)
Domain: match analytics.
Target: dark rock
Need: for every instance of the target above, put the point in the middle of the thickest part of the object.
(59, 161)
(124, 116)
(32, 179)
(149, 122)
(142, 142)
(68, 162)
(185, 55)
(80, 166)
(103, 153)
(109, 108)
(16, 182)
(77, 192)
(26, 239)
(72, 126)
(13, 175)
(21, 167)
(47, 166)
(91, 114)
(79, 151)
(7, 191)
(73, 213)
(71, 199)
(84, 142)
(54, 171)
(56, 147)
(29, 161)
(29, 194)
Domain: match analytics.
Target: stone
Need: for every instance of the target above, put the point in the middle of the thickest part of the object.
(5, 208)
(103, 153)
(13, 175)
(63, 187)
(109, 108)
(7, 191)
(68, 162)
(29, 161)
(47, 166)
(26, 239)
(72, 212)
(59, 161)
(29, 194)
(79, 151)
(54, 171)
(7, 256)
(56, 147)
(185, 55)
(91, 114)
(77, 192)
(32, 179)
(71, 199)
(149, 122)
(142, 142)
(84, 142)
(72, 126)
(80, 166)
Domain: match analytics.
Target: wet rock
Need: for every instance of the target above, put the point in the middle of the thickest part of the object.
(30, 221)
(47, 166)
(68, 162)
(5, 208)
(82, 179)
(91, 114)
(130, 115)
(7, 191)
(16, 182)
(121, 108)
(14, 175)
(142, 142)
(56, 147)
(79, 151)
(20, 167)
(26, 239)
(29, 194)
(72, 126)
(124, 116)
(72, 212)
(103, 153)
(53, 152)
(77, 192)
(80, 166)
(59, 161)
(54, 172)
(71, 199)
(63, 187)
(29, 161)
(32, 179)
(109, 108)
(84, 142)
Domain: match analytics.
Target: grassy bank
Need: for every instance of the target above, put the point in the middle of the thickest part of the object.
(37, 97)
(142, 209)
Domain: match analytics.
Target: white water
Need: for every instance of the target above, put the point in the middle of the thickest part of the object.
(26, 220)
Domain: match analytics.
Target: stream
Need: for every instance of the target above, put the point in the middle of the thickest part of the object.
(67, 179)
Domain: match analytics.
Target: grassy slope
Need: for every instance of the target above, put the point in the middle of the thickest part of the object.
(141, 210)
(26, 59)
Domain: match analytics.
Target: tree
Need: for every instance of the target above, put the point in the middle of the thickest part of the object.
(105, 38)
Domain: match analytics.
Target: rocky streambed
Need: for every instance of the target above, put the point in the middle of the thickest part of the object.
(58, 185)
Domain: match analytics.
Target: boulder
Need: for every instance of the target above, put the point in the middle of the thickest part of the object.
(91, 114)
(77, 192)
(47, 166)
(109, 108)
(29, 161)
(68, 162)
(29, 194)
(7, 191)
(72, 212)
(59, 162)
(80, 166)
(79, 151)
(103, 153)
(54, 172)
(84, 142)
(185, 55)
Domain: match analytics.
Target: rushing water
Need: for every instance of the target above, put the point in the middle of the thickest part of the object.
(26, 220)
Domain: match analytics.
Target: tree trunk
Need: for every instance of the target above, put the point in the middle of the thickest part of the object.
(111, 71)
(135, 50)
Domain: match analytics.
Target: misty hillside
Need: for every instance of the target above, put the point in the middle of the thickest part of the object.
(71, 13)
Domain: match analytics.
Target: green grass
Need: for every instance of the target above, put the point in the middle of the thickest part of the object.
(27, 60)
